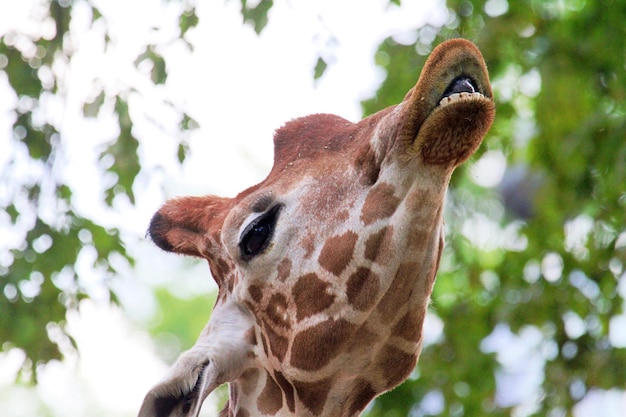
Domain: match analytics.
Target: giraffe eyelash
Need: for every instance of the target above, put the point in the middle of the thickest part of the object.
(262, 203)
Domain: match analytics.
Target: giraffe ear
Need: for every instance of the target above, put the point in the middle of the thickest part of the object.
(182, 225)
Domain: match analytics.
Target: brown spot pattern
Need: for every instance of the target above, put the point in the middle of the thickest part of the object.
(276, 311)
(409, 327)
(255, 293)
(395, 365)
(248, 380)
(314, 347)
(362, 288)
(284, 269)
(342, 216)
(271, 399)
(278, 343)
(377, 245)
(380, 203)
(310, 296)
(219, 268)
(287, 390)
(360, 396)
(337, 252)
(275, 322)
(308, 244)
(363, 339)
(313, 394)
(399, 292)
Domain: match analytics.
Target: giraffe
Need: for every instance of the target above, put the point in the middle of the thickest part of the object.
(325, 268)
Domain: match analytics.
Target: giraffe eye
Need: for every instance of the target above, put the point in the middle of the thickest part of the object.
(258, 234)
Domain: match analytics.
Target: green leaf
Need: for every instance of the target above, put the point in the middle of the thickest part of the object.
(188, 19)
(124, 152)
(320, 68)
(183, 150)
(158, 73)
(38, 140)
(22, 77)
(257, 15)
(92, 108)
(188, 123)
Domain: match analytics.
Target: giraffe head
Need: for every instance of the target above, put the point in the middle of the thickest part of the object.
(325, 269)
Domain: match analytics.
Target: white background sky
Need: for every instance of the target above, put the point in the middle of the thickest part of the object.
(240, 87)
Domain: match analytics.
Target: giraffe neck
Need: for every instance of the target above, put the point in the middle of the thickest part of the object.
(367, 331)
(261, 393)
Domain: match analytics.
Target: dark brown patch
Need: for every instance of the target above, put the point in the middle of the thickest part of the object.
(314, 347)
(399, 293)
(342, 216)
(395, 365)
(377, 245)
(310, 296)
(435, 268)
(308, 244)
(361, 394)
(230, 285)
(337, 252)
(255, 293)
(271, 399)
(362, 288)
(363, 340)
(275, 322)
(287, 390)
(313, 394)
(380, 203)
(409, 327)
(276, 311)
(368, 165)
(219, 268)
(278, 343)
(248, 380)
(284, 269)
(265, 348)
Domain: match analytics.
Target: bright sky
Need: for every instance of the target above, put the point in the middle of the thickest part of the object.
(240, 87)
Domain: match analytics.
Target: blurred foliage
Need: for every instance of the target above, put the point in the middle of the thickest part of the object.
(176, 328)
(559, 267)
(545, 250)
(255, 14)
(38, 278)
